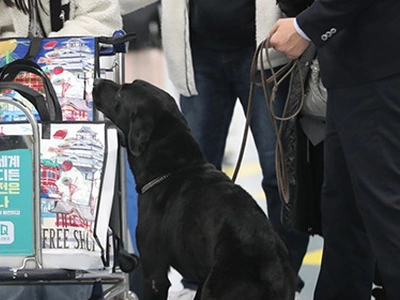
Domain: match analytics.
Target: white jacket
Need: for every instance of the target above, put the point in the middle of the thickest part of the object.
(175, 37)
(87, 18)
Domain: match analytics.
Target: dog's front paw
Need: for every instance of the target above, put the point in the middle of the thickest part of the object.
(156, 290)
(154, 286)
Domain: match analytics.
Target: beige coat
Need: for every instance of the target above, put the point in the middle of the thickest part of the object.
(87, 18)
(175, 37)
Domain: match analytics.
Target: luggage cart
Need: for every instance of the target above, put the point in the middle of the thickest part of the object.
(114, 285)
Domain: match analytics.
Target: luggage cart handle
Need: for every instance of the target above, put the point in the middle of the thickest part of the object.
(118, 41)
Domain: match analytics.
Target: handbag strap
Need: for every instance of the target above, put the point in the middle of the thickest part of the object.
(10, 71)
(34, 48)
(59, 14)
(31, 95)
(55, 15)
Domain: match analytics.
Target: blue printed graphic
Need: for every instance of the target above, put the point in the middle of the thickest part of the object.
(16, 202)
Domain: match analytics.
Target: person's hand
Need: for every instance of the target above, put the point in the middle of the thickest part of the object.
(284, 38)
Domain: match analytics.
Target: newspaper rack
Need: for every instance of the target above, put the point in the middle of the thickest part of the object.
(115, 283)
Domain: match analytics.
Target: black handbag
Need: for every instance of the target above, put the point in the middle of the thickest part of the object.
(302, 162)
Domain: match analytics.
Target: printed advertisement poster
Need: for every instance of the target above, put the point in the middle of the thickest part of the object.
(68, 62)
(72, 166)
(16, 202)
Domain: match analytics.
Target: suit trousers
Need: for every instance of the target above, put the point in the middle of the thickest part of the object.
(361, 191)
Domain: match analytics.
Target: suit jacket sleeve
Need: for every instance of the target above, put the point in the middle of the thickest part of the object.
(324, 18)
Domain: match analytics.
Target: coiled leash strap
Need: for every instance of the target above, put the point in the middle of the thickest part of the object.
(275, 79)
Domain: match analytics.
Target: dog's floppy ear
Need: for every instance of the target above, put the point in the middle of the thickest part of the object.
(140, 129)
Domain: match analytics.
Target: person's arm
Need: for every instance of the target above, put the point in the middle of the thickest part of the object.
(325, 18)
(128, 6)
(92, 18)
(322, 20)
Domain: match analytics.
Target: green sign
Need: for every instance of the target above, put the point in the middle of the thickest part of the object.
(16, 203)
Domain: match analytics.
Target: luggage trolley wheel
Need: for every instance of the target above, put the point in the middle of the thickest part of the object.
(131, 296)
(127, 261)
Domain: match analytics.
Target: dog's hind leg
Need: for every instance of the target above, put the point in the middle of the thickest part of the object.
(235, 290)
(233, 284)
(198, 293)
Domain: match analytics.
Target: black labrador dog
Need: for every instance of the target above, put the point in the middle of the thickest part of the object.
(191, 215)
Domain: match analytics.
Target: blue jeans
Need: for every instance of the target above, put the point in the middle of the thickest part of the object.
(221, 78)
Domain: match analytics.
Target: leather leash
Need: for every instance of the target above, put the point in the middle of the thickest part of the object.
(276, 79)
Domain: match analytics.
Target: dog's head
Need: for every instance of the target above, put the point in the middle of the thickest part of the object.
(135, 109)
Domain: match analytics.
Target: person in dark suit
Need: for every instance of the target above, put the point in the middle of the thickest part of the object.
(359, 53)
